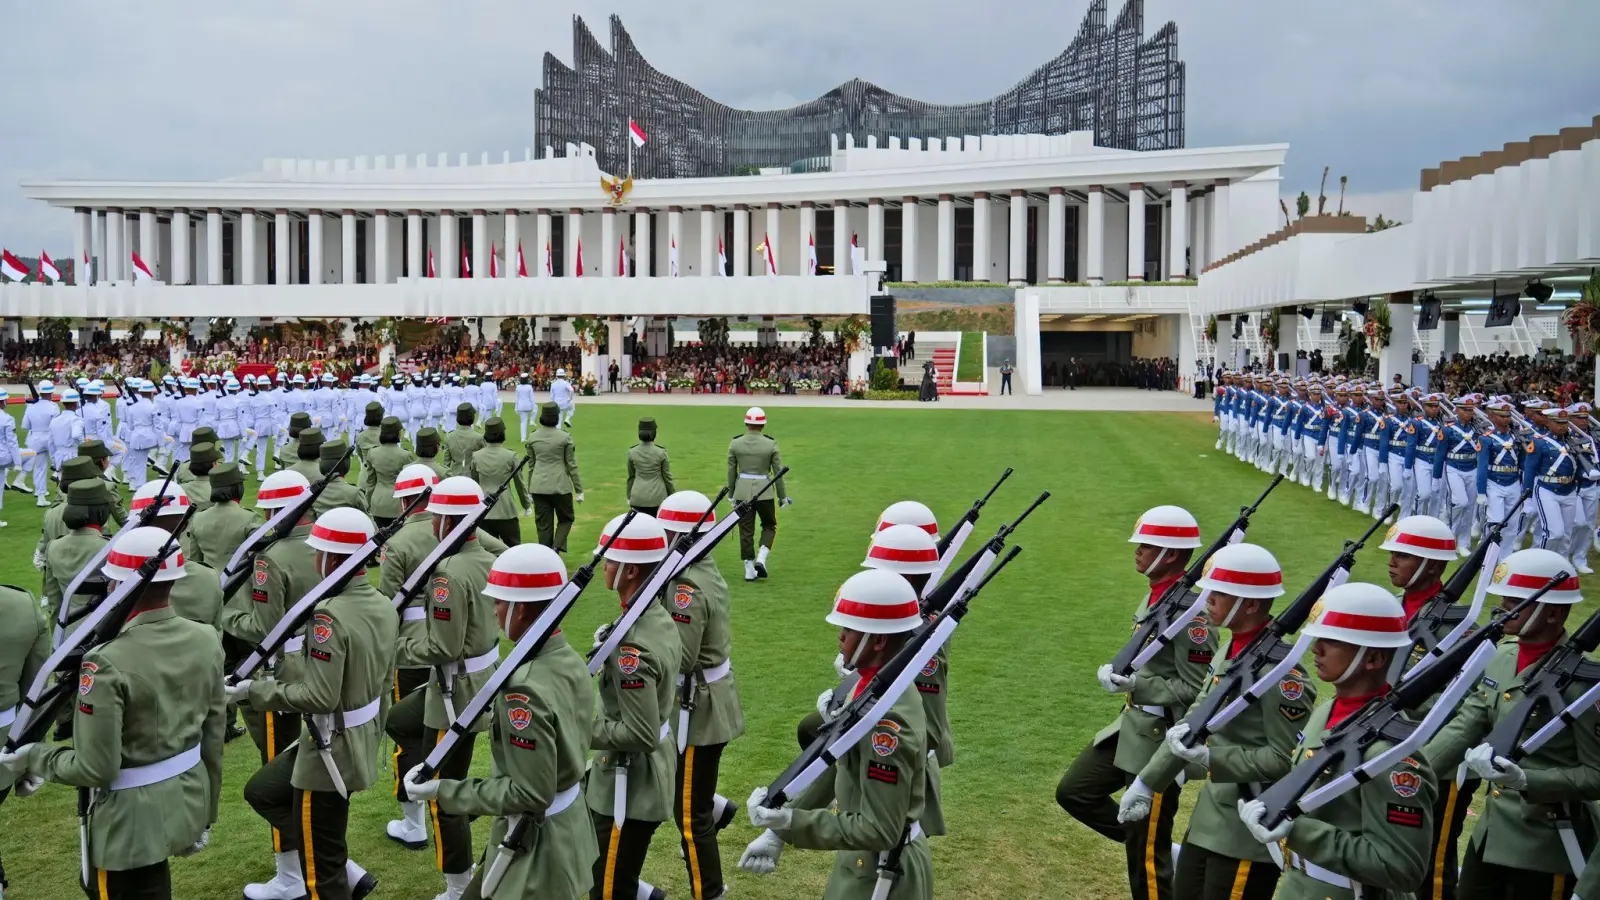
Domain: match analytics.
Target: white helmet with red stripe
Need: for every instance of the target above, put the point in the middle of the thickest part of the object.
(1423, 536)
(1171, 527)
(643, 541)
(680, 512)
(414, 479)
(1362, 614)
(876, 601)
(1243, 570)
(755, 415)
(282, 489)
(342, 530)
(909, 512)
(906, 549)
(1525, 572)
(457, 495)
(526, 573)
(176, 502)
(135, 547)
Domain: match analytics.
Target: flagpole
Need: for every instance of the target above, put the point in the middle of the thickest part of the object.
(630, 149)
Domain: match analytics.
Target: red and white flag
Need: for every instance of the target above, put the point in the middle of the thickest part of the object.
(770, 255)
(858, 257)
(622, 258)
(811, 254)
(549, 262)
(466, 264)
(141, 272)
(81, 275)
(722, 258)
(522, 267)
(494, 264)
(47, 268)
(578, 263)
(637, 133)
(431, 272)
(672, 258)
(11, 267)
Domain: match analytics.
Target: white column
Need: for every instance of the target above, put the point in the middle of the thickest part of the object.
(1221, 242)
(1396, 358)
(480, 244)
(415, 266)
(1096, 273)
(980, 237)
(1451, 331)
(946, 270)
(875, 230)
(314, 244)
(841, 238)
(449, 265)
(909, 208)
(642, 245)
(101, 259)
(808, 235)
(1028, 352)
(129, 222)
(80, 243)
(608, 242)
(181, 265)
(383, 222)
(1199, 258)
(513, 241)
(244, 247)
(213, 246)
(1136, 232)
(708, 241)
(111, 265)
(741, 240)
(674, 234)
(1018, 242)
(148, 243)
(541, 243)
(281, 248)
(1178, 231)
(573, 233)
(769, 233)
(1056, 265)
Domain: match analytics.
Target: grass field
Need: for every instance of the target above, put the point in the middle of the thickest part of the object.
(1023, 698)
(969, 366)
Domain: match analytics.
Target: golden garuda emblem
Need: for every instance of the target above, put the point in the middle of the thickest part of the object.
(617, 189)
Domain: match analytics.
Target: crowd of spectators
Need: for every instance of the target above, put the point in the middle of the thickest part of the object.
(36, 359)
(1146, 374)
(1549, 375)
(744, 368)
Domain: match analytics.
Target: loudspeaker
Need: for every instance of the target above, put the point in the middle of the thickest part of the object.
(1329, 320)
(1428, 314)
(883, 330)
(1503, 310)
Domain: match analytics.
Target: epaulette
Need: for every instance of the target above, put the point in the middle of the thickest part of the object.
(768, 436)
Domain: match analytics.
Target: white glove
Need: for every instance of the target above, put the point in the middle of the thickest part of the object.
(1114, 683)
(1135, 805)
(526, 512)
(761, 817)
(1199, 753)
(761, 857)
(1483, 499)
(580, 496)
(28, 785)
(38, 560)
(787, 501)
(1498, 769)
(1251, 813)
(197, 846)
(237, 692)
(424, 791)
(825, 699)
(16, 760)
(601, 632)
(839, 666)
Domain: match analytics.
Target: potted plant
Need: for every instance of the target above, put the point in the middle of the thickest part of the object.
(850, 331)
(1378, 329)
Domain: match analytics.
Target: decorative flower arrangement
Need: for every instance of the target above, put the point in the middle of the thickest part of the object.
(1211, 329)
(757, 385)
(587, 330)
(1269, 331)
(1378, 329)
(807, 384)
(681, 382)
(850, 331)
(588, 385)
(640, 382)
(857, 389)
(175, 332)
(1583, 319)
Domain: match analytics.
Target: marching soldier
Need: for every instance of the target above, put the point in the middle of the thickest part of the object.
(633, 727)
(204, 434)
(460, 444)
(79, 468)
(880, 785)
(308, 453)
(1220, 860)
(147, 736)
(288, 450)
(202, 458)
(1537, 825)
(524, 403)
(367, 436)
(219, 530)
(24, 646)
(96, 449)
(339, 492)
(493, 465)
(649, 471)
(338, 681)
(540, 728)
(84, 517)
(1462, 449)
(426, 443)
(1500, 475)
(1373, 841)
(66, 431)
(36, 422)
(1165, 538)
(197, 595)
(379, 470)
(553, 480)
(752, 459)
(458, 640)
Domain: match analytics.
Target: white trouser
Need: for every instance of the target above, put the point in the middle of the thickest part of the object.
(263, 451)
(136, 466)
(523, 416)
(567, 411)
(1377, 479)
(1401, 489)
(1425, 500)
(1312, 449)
(1461, 486)
(1557, 517)
(1353, 480)
(1584, 529)
(39, 468)
(1502, 499)
(4, 470)
(230, 449)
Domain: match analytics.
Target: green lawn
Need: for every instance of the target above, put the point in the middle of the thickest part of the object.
(1024, 699)
(969, 365)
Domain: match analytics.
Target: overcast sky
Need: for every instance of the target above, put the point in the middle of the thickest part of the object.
(163, 89)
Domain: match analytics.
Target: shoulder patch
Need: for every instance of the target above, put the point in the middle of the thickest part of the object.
(1404, 816)
(682, 596)
(1293, 713)
(1291, 689)
(86, 678)
(932, 668)
(885, 742)
(628, 660)
(261, 573)
(1405, 783)
(441, 591)
(1199, 633)
(877, 771)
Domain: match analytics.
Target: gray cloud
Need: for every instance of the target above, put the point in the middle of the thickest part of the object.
(175, 90)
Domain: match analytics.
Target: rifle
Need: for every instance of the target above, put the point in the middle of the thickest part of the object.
(146, 516)
(33, 392)
(1269, 650)
(938, 597)
(451, 543)
(1543, 686)
(874, 699)
(276, 529)
(1384, 719)
(1149, 637)
(953, 538)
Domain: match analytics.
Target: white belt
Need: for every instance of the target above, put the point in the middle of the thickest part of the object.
(1152, 710)
(413, 613)
(756, 477)
(474, 665)
(563, 799)
(353, 718)
(1325, 876)
(7, 716)
(714, 674)
(157, 772)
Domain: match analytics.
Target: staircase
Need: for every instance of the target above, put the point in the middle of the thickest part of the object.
(944, 365)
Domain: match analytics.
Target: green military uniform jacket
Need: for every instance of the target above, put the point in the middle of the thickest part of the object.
(288, 453)
(540, 726)
(24, 647)
(490, 467)
(310, 468)
(401, 556)
(1249, 754)
(555, 462)
(64, 559)
(377, 479)
(458, 625)
(219, 531)
(1378, 835)
(197, 596)
(1170, 681)
(280, 576)
(881, 787)
(649, 474)
(198, 488)
(753, 458)
(1518, 828)
(339, 493)
(150, 694)
(365, 441)
(182, 476)
(433, 463)
(698, 602)
(346, 663)
(637, 704)
(457, 448)
(54, 527)
(933, 683)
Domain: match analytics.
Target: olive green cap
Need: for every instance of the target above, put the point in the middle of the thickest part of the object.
(205, 434)
(226, 475)
(94, 448)
(301, 420)
(89, 492)
(466, 408)
(494, 430)
(374, 407)
(333, 451)
(389, 428)
(311, 437)
(427, 442)
(205, 453)
(79, 468)
(549, 414)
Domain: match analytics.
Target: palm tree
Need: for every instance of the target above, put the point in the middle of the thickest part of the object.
(1344, 180)
(1322, 192)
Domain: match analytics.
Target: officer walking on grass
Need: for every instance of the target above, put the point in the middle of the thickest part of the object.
(649, 471)
(553, 479)
(753, 459)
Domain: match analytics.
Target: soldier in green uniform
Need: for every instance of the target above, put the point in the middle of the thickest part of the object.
(649, 471)
(459, 445)
(288, 451)
(197, 596)
(339, 492)
(338, 679)
(147, 736)
(96, 450)
(491, 467)
(553, 480)
(204, 434)
(540, 728)
(383, 463)
(308, 452)
(78, 468)
(752, 459)
(1370, 843)
(1518, 847)
(1220, 859)
(1157, 694)
(24, 645)
(368, 437)
(879, 785)
(427, 446)
(84, 515)
(633, 726)
(219, 530)
(459, 642)
(202, 458)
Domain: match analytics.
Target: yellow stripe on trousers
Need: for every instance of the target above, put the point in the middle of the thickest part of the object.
(1558, 886)
(100, 882)
(309, 851)
(608, 886)
(272, 751)
(1152, 884)
(433, 812)
(1444, 841)
(688, 831)
(1240, 879)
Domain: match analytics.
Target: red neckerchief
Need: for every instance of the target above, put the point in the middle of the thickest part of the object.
(1344, 707)
(1528, 654)
(1157, 588)
(1241, 639)
(138, 613)
(99, 528)
(866, 673)
(1414, 599)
